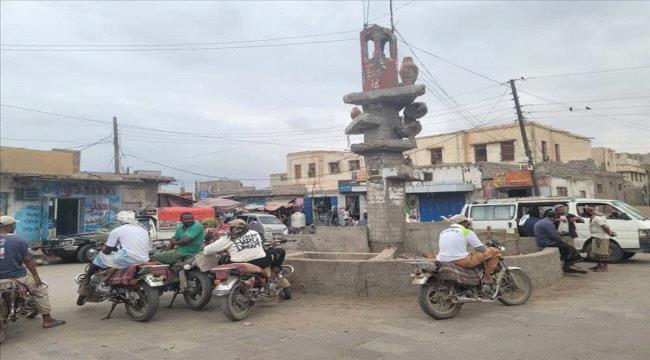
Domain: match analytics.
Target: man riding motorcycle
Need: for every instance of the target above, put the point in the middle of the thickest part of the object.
(453, 243)
(127, 245)
(244, 246)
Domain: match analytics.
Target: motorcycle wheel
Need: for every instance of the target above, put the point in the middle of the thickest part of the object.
(285, 294)
(146, 304)
(4, 320)
(432, 302)
(199, 290)
(516, 288)
(236, 306)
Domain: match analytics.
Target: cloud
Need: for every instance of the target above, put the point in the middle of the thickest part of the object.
(246, 98)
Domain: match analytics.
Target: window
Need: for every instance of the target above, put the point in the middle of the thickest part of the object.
(480, 153)
(354, 165)
(607, 210)
(428, 176)
(620, 187)
(508, 151)
(599, 188)
(492, 212)
(436, 156)
(562, 191)
(297, 171)
(544, 151)
(4, 203)
(311, 170)
(557, 153)
(583, 194)
(334, 167)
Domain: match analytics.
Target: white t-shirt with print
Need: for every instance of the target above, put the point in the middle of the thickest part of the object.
(134, 239)
(596, 227)
(241, 249)
(453, 242)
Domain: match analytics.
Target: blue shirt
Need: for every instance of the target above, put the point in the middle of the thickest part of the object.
(546, 234)
(528, 229)
(13, 250)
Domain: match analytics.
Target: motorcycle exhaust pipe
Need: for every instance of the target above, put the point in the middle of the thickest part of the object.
(467, 300)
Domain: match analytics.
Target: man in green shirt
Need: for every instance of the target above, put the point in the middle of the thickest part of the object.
(187, 241)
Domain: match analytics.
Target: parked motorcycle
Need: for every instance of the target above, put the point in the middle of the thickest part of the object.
(187, 279)
(137, 286)
(242, 285)
(15, 303)
(444, 287)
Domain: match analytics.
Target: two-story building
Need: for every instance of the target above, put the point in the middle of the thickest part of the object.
(633, 168)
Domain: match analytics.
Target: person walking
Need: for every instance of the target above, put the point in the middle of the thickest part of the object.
(600, 236)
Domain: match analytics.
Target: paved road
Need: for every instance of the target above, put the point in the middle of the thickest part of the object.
(596, 316)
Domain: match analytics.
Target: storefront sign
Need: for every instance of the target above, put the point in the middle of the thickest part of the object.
(346, 186)
(513, 179)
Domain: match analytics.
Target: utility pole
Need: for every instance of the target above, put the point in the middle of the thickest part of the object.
(116, 146)
(392, 25)
(524, 136)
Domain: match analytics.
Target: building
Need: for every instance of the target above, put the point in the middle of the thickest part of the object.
(49, 195)
(320, 171)
(500, 144)
(219, 187)
(633, 168)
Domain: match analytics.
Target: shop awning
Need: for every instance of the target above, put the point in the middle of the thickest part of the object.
(437, 188)
(221, 203)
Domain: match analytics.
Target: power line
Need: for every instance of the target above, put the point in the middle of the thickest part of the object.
(183, 44)
(450, 62)
(584, 110)
(589, 72)
(596, 100)
(177, 48)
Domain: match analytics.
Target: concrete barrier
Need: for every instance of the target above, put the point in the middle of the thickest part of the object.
(335, 274)
(331, 239)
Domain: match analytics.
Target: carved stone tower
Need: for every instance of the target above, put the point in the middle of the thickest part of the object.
(386, 132)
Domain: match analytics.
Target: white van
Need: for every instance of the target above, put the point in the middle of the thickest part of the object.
(632, 228)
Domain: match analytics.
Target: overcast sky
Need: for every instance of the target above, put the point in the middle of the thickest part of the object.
(253, 105)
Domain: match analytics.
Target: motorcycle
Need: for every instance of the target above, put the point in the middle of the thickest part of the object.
(445, 287)
(242, 285)
(138, 287)
(184, 277)
(15, 303)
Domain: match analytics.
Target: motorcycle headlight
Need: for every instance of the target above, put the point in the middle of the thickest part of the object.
(502, 248)
(644, 234)
(67, 242)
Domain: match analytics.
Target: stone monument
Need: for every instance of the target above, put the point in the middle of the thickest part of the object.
(386, 132)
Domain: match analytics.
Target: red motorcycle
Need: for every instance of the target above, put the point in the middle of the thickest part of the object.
(242, 285)
(138, 287)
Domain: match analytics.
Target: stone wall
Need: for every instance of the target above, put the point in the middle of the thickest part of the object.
(353, 239)
(391, 277)
(422, 238)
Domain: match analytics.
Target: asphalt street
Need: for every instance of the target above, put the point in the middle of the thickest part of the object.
(593, 316)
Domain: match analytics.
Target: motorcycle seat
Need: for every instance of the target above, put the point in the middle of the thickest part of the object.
(452, 272)
(244, 268)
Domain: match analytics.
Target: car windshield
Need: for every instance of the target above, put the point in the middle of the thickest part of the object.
(632, 212)
(111, 225)
(267, 220)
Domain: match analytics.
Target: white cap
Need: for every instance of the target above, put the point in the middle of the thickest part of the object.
(7, 220)
(126, 217)
(457, 219)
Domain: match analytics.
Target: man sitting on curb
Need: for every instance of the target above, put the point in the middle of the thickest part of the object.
(453, 243)
(546, 235)
(14, 257)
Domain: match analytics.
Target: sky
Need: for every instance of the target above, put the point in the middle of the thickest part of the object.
(227, 89)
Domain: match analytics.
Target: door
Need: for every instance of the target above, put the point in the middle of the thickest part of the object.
(67, 216)
(435, 205)
(496, 216)
(626, 228)
(352, 203)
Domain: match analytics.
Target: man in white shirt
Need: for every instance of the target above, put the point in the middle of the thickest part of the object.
(243, 245)
(452, 245)
(127, 245)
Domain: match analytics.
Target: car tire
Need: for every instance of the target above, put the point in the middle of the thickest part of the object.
(84, 254)
(627, 255)
(616, 254)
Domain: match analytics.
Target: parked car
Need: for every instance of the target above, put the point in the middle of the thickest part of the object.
(268, 225)
(82, 247)
(632, 227)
